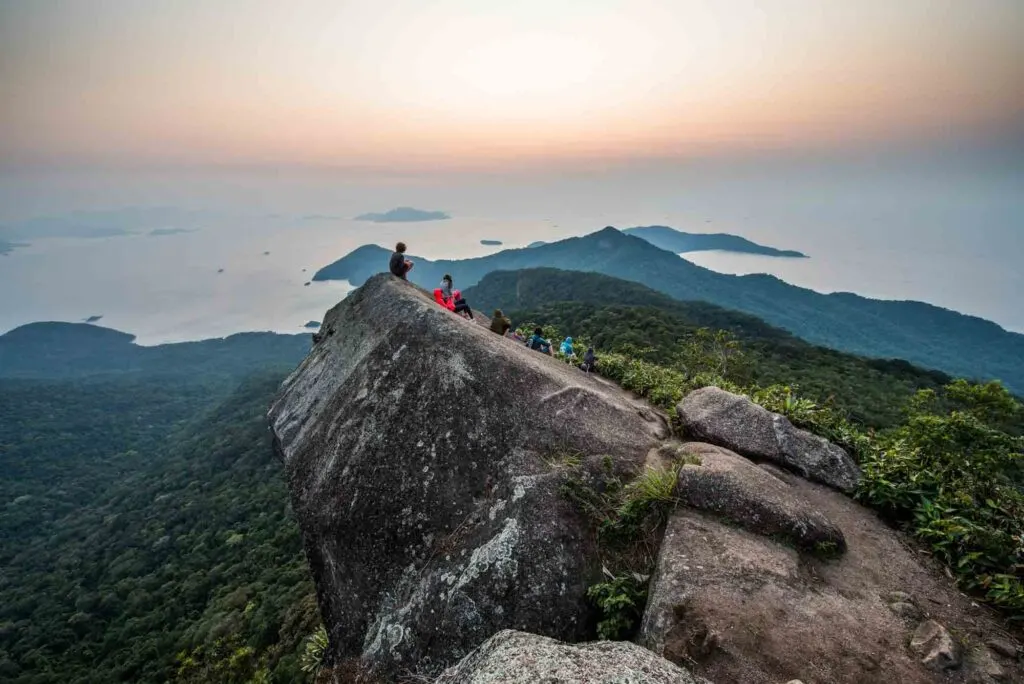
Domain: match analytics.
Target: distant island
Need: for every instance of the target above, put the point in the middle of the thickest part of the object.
(7, 247)
(923, 334)
(312, 325)
(403, 215)
(490, 243)
(157, 232)
(93, 319)
(679, 242)
(536, 243)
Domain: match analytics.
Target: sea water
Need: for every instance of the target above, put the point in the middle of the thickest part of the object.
(234, 252)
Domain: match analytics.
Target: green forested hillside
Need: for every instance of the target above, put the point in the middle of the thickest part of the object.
(64, 350)
(615, 314)
(921, 333)
(145, 534)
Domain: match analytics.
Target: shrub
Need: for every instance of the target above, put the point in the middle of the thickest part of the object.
(621, 601)
(313, 650)
(956, 478)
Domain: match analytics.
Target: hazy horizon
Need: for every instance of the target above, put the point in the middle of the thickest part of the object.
(885, 139)
(456, 85)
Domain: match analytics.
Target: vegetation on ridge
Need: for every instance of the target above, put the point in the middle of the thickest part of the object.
(922, 333)
(951, 473)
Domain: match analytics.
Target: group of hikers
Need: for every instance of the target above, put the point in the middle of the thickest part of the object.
(450, 298)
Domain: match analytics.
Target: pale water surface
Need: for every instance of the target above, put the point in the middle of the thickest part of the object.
(952, 236)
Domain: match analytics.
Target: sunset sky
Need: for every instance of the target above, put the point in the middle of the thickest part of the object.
(465, 84)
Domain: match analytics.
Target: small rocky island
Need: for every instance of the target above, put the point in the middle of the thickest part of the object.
(312, 325)
(490, 243)
(93, 319)
(403, 215)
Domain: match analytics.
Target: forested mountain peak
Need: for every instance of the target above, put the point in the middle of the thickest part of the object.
(918, 332)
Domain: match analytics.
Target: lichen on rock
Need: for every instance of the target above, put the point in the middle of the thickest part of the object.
(414, 443)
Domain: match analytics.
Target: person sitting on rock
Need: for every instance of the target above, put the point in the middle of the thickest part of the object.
(538, 343)
(399, 265)
(461, 307)
(500, 323)
(442, 302)
(589, 364)
(446, 287)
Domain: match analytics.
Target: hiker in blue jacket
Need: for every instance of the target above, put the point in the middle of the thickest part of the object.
(538, 343)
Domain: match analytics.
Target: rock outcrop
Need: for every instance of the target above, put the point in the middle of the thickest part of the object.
(730, 486)
(737, 606)
(417, 446)
(511, 657)
(450, 485)
(733, 421)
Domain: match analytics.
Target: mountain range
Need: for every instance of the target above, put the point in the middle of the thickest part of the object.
(678, 241)
(918, 332)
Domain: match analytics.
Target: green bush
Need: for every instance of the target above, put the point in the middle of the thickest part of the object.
(953, 471)
(621, 601)
(955, 476)
(313, 651)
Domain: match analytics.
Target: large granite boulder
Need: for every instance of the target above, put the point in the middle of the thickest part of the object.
(713, 415)
(733, 605)
(518, 658)
(418, 448)
(733, 488)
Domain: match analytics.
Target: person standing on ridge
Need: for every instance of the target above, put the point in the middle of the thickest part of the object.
(399, 265)
(567, 349)
(589, 364)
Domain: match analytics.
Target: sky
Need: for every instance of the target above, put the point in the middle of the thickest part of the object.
(481, 85)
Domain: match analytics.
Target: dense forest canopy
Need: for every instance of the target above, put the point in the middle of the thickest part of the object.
(145, 525)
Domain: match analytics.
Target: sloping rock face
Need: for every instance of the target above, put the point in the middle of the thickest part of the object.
(517, 658)
(730, 486)
(416, 445)
(736, 606)
(730, 420)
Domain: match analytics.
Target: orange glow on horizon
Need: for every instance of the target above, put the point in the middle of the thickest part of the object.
(457, 84)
